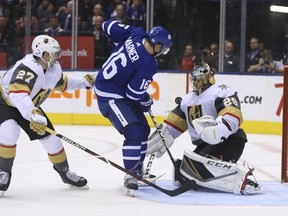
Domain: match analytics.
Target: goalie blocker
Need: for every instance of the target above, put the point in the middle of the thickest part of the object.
(218, 174)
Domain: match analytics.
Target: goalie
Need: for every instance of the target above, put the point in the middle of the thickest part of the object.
(212, 115)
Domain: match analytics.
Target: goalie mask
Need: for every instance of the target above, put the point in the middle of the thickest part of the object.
(201, 78)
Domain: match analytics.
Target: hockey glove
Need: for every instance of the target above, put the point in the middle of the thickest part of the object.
(146, 102)
(89, 81)
(208, 129)
(38, 122)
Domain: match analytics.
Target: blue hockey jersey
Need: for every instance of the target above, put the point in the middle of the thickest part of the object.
(128, 71)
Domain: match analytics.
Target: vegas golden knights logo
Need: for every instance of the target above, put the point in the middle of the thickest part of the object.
(194, 112)
(41, 96)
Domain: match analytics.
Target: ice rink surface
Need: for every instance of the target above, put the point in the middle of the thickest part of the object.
(36, 189)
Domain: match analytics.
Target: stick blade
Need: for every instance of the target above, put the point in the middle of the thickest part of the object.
(189, 185)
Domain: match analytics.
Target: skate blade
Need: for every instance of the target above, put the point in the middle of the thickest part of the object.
(85, 187)
(2, 193)
(153, 180)
(258, 190)
(130, 192)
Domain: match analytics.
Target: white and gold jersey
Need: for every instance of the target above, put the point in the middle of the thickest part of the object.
(26, 85)
(217, 100)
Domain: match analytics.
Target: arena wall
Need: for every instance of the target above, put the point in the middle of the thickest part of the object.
(260, 96)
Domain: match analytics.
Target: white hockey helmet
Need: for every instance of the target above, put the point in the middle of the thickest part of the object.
(45, 43)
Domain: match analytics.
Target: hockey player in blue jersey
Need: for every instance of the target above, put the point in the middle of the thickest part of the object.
(121, 88)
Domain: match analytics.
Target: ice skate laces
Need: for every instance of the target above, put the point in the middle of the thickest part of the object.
(4, 177)
(72, 176)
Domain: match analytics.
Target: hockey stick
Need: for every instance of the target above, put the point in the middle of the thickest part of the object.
(161, 136)
(178, 175)
(183, 188)
(152, 156)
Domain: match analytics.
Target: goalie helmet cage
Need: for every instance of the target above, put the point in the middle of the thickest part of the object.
(284, 172)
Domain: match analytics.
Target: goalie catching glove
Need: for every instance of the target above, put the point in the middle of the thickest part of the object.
(210, 130)
(38, 122)
(156, 144)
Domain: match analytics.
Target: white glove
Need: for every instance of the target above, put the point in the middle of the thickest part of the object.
(208, 129)
(89, 80)
(155, 142)
(38, 122)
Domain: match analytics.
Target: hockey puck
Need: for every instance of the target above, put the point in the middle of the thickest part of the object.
(178, 100)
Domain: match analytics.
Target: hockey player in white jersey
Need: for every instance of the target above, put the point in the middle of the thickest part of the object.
(24, 87)
(212, 115)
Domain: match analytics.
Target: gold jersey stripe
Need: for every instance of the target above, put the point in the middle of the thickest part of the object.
(63, 86)
(176, 121)
(17, 87)
(3, 96)
(7, 151)
(58, 158)
(233, 111)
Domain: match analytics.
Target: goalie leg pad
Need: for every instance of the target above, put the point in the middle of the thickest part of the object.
(155, 142)
(216, 174)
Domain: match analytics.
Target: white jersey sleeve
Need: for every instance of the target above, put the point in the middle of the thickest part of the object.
(218, 101)
(23, 103)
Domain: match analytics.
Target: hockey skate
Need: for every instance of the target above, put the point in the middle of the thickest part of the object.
(131, 184)
(73, 180)
(147, 176)
(250, 187)
(5, 178)
(151, 178)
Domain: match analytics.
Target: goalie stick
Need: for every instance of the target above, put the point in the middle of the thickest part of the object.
(183, 188)
(152, 156)
(161, 136)
(178, 175)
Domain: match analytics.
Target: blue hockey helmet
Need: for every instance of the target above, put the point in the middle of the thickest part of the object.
(159, 35)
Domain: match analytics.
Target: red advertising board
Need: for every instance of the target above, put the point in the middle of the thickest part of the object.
(2, 60)
(85, 51)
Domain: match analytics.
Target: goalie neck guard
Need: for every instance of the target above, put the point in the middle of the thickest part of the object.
(201, 78)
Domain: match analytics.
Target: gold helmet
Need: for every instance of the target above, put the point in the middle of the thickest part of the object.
(202, 77)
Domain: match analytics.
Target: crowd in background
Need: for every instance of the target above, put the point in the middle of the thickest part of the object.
(257, 60)
(54, 17)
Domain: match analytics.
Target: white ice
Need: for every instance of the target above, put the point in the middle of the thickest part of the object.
(36, 189)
